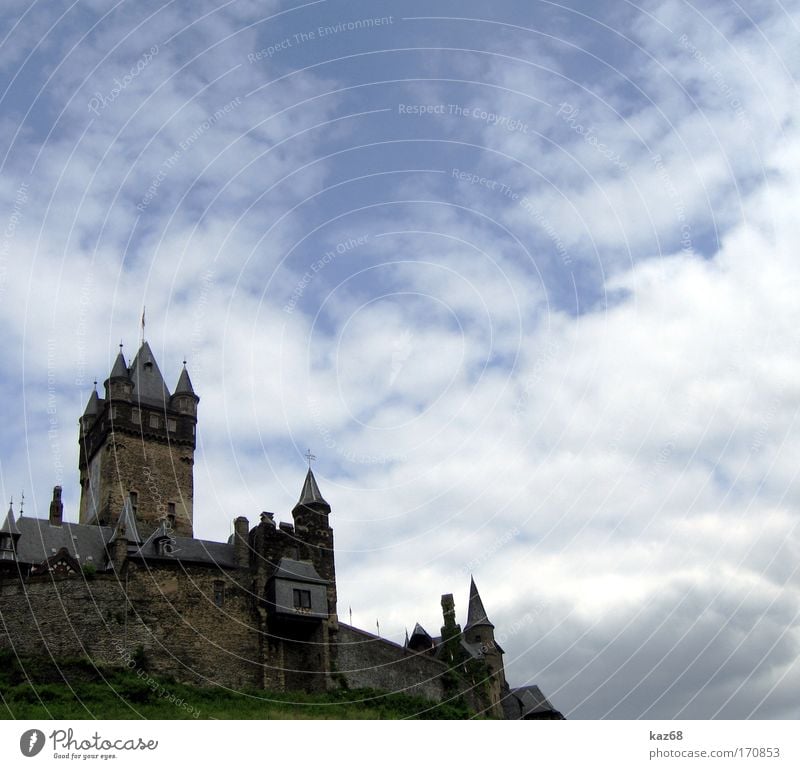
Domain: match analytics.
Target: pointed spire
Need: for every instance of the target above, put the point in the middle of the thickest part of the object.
(311, 495)
(126, 525)
(93, 406)
(476, 614)
(184, 386)
(120, 369)
(10, 524)
(148, 384)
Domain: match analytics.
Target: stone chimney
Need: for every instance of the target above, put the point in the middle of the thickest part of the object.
(56, 508)
(241, 545)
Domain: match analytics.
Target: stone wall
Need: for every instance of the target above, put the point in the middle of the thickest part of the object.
(172, 615)
(366, 661)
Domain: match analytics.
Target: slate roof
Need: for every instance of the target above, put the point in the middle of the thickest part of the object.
(476, 614)
(298, 571)
(40, 540)
(120, 369)
(188, 550)
(148, 384)
(126, 527)
(93, 406)
(184, 386)
(311, 494)
(528, 701)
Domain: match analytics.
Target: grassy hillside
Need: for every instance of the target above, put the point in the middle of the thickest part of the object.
(77, 689)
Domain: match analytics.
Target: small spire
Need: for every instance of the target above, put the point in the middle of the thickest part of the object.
(120, 368)
(93, 406)
(476, 614)
(311, 495)
(10, 525)
(184, 386)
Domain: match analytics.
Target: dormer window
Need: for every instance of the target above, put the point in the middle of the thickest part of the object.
(148, 366)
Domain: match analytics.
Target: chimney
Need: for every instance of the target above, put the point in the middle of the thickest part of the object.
(56, 508)
(241, 544)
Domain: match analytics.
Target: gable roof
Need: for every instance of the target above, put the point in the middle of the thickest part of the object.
(126, 527)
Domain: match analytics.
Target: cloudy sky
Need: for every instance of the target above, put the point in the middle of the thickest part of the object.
(523, 276)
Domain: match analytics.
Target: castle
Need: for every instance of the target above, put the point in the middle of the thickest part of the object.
(259, 610)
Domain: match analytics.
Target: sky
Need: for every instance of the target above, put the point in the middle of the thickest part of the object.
(523, 276)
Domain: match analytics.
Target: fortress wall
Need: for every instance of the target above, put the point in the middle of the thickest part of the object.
(172, 615)
(371, 662)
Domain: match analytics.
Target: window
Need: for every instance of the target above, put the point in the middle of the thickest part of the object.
(171, 514)
(154, 420)
(134, 500)
(172, 425)
(302, 599)
(136, 416)
(114, 412)
(219, 593)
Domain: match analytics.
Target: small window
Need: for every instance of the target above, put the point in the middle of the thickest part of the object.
(136, 416)
(302, 599)
(219, 593)
(154, 421)
(172, 425)
(134, 497)
(114, 412)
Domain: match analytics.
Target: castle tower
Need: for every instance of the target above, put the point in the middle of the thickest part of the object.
(137, 445)
(479, 630)
(315, 536)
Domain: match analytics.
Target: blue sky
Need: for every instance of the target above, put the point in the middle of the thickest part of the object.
(523, 278)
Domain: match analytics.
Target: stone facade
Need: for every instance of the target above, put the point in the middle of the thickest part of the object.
(258, 611)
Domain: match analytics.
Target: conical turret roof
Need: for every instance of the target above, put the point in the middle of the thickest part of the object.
(311, 495)
(120, 369)
(93, 406)
(10, 524)
(476, 614)
(148, 384)
(184, 386)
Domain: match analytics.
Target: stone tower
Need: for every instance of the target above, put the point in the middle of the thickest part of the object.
(315, 536)
(137, 445)
(479, 630)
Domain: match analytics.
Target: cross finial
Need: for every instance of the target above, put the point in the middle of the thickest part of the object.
(21, 502)
(310, 457)
(120, 345)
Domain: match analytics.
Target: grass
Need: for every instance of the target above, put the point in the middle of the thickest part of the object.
(34, 688)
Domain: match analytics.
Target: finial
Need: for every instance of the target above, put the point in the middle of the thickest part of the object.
(184, 361)
(120, 345)
(11, 505)
(95, 385)
(310, 457)
(21, 503)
